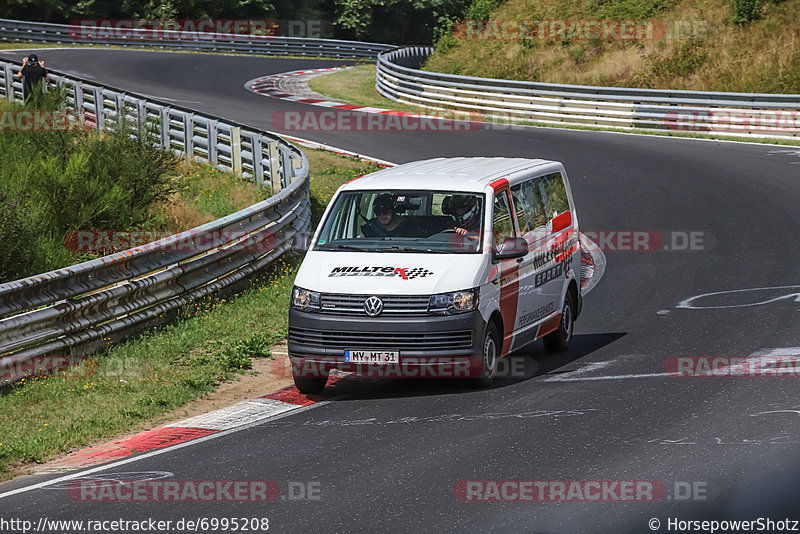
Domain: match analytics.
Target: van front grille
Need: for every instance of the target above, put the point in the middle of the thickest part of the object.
(394, 305)
(400, 341)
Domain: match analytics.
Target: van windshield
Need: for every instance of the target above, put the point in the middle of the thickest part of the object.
(404, 221)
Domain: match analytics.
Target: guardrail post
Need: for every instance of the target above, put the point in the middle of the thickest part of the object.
(213, 158)
(297, 163)
(77, 89)
(8, 82)
(99, 108)
(258, 159)
(119, 103)
(274, 166)
(287, 173)
(141, 116)
(188, 135)
(236, 149)
(165, 137)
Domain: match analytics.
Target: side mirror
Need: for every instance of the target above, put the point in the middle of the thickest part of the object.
(512, 247)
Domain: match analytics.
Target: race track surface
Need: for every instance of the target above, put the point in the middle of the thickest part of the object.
(388, 453)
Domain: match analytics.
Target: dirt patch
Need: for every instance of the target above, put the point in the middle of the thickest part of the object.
(267, 375)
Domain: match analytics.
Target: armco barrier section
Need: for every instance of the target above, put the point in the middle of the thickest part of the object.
(72, 311)
(731, 114)
(39, 32)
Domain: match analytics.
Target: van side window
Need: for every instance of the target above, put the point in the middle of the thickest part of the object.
(519, 208)
(527, 198)
(556, 194)
(502, 227)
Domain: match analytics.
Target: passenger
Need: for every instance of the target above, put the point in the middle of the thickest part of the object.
(464, 209)
(387, 222)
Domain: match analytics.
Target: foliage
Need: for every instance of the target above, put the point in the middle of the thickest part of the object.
(58, 181)
(64, 11)
(745, 11)
(482, 9)
(17, 231)
(397, 21)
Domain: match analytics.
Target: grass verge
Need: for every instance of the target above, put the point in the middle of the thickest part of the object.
(690, 44)
(133, 384)
(356, 86)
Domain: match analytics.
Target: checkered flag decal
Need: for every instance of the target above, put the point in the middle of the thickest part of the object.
(418, 272)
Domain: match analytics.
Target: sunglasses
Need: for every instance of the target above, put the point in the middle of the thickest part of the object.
(381, 211)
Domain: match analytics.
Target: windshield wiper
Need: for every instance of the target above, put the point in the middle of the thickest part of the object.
(412, 249)
(347, 247)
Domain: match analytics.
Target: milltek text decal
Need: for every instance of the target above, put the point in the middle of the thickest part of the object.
(406, 273)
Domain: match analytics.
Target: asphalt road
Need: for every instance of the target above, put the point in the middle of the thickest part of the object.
(387, 455)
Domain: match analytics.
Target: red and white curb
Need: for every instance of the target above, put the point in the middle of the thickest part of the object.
(274, 86)
(242, 414)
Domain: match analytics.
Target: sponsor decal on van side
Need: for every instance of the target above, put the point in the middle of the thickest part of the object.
(406, 273)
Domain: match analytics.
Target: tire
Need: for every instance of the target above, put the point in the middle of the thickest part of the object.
(490, 353)
(558, 341)
(310, 384)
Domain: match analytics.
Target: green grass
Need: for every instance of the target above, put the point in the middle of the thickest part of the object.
(356, 85)
(136, 382)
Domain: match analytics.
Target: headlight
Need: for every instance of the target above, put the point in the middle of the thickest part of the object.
(456, 302)
(303, 299)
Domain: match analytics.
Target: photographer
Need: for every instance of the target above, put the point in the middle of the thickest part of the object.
(33, 70)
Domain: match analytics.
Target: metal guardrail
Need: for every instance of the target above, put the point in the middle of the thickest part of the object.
(736, 114)
(71, 311)
(39, 32)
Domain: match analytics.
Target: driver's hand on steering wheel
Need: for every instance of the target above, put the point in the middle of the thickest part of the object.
(465, 233)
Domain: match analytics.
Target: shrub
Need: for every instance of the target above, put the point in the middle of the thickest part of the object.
(482, 9)
(57, 181)
(17, 232)
(745, 11)
(103, 181)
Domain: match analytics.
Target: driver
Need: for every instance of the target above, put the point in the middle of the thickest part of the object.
(464, 209)
(387, 222)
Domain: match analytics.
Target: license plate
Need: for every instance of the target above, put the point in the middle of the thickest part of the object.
(371, 356)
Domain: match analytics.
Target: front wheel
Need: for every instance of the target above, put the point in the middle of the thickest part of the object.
(490, 353)
(309, 384)
(558, 341)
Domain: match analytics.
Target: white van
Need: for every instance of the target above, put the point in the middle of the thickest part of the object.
(437, 268)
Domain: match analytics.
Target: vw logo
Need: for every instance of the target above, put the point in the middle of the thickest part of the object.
(373, 306)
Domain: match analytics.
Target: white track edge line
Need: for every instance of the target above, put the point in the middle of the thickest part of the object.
(157, 452)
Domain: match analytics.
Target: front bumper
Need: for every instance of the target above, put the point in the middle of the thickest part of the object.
(447, 344)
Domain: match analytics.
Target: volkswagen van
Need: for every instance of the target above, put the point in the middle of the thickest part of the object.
(437, 268)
